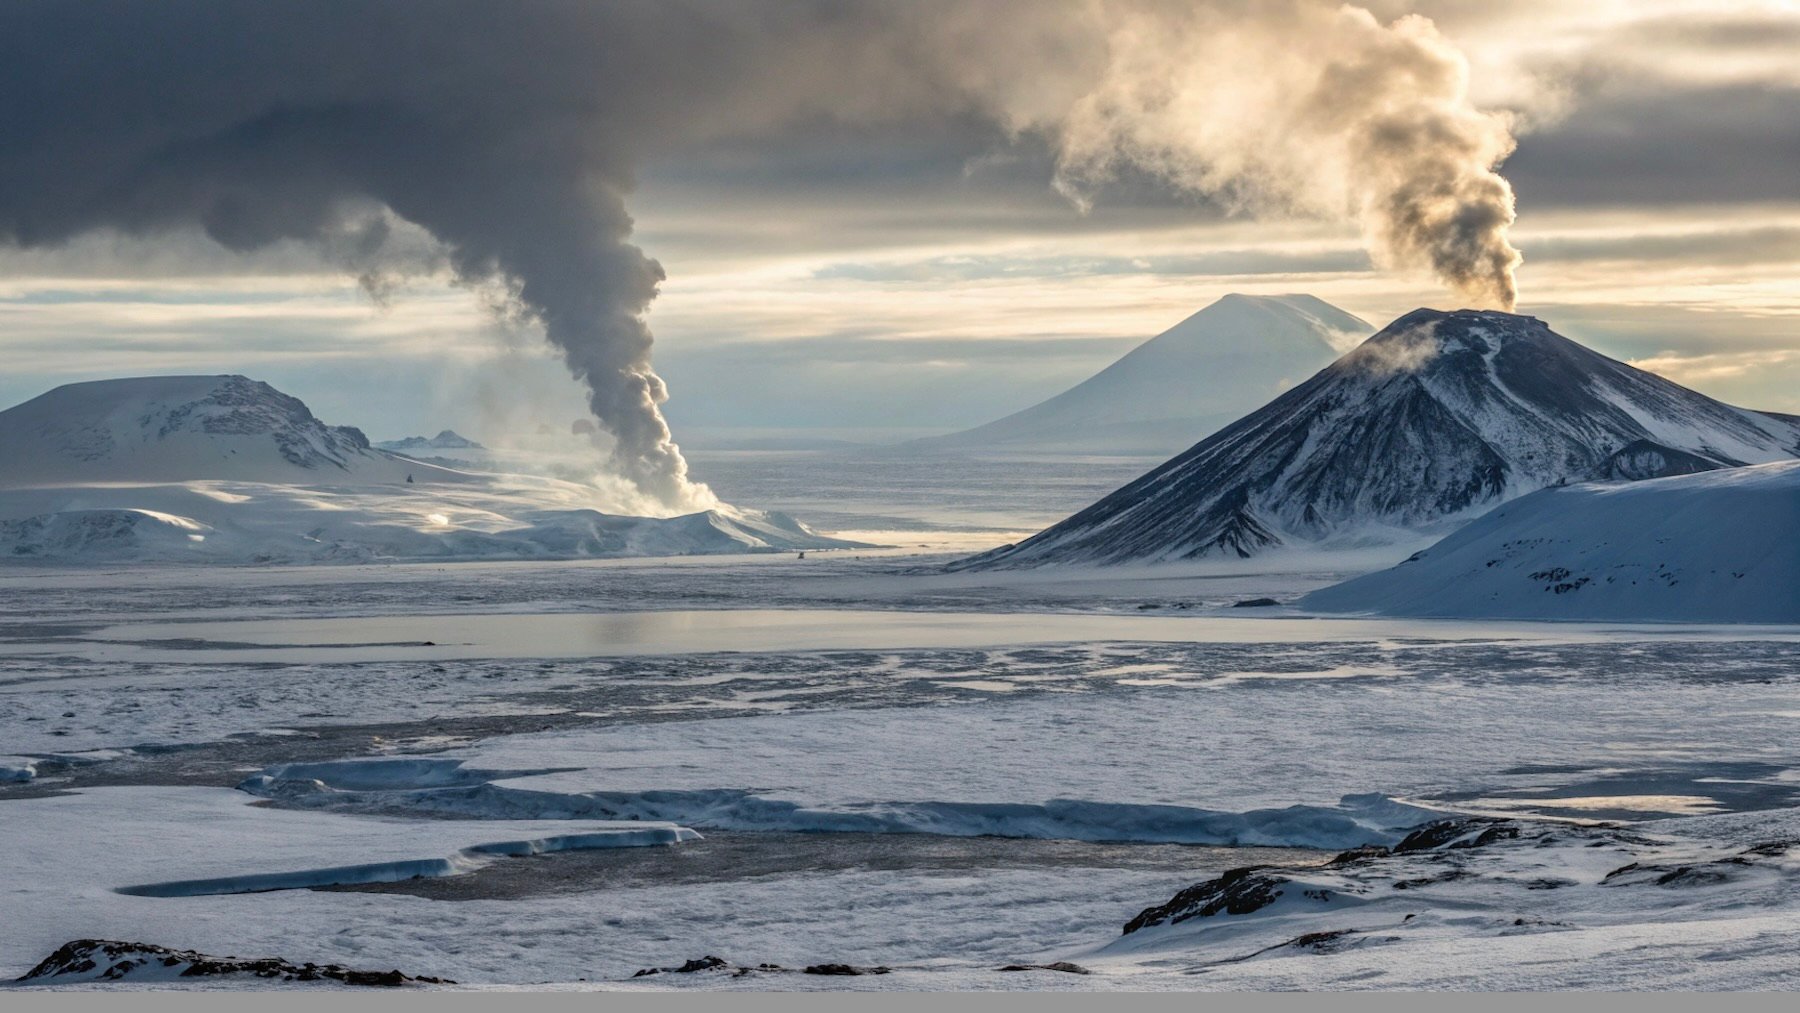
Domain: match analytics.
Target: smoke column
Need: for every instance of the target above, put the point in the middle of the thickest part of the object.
(511, 132)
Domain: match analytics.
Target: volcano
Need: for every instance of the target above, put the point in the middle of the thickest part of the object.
(1179, 386)
(1434, 420)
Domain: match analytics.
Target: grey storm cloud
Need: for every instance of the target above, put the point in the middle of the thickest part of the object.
(1649, 142)
(512, 133)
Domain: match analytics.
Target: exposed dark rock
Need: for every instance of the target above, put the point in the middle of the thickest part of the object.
(1462, 832)
(1693, 874)
(1237, 892)
(1547, 883)
(1242, 891)
(1060, 965)
(112, 960)
(706, 963)
(1446, 876)
(1357, 856)
(1254, 603)
(1320, 942)
(843, 969)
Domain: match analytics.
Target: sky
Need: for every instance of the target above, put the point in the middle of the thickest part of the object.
(872, 272)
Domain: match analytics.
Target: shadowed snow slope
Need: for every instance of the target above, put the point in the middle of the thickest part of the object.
(1436, 418)
(1720, 546)
(228, 469)
(1180, 385)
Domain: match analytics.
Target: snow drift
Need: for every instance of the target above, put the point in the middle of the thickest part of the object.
(1717, 547)
(228, 469)
(1437, 418)
(1180, 385)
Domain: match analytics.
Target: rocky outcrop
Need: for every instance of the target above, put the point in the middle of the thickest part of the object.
(112, 960)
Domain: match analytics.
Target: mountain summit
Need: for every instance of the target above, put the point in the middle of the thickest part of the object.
(1436, 418)
(1180, 385)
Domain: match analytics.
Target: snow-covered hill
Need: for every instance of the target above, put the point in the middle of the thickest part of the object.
(1720, 546)
(176, 428)
(228, 469)
(1180, 385)
(1437, 418)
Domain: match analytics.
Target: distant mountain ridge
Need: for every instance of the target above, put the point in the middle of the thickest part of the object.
(446, 439)
(1180, 385)
(1437, 417)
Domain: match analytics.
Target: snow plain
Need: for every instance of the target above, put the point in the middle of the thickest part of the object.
(847, 789)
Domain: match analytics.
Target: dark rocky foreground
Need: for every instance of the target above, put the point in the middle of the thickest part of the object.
(1463, 850)
(1251, 888)
(723, 966)
(112, 960)
(720, 964)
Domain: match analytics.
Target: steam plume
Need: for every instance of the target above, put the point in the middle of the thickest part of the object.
(511, 132)
(1313, 109)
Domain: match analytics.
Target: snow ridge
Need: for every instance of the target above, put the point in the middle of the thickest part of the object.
(1717, 546)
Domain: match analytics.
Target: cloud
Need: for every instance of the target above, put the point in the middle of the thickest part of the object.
(1729, 246)
(1710, 368)
(1666, 145)
(1219, 263)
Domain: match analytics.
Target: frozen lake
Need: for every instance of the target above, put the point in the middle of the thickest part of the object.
(576, 635)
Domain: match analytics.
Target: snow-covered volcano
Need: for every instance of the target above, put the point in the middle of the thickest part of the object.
(1180, 385)
(229, 469)
(1438, 417)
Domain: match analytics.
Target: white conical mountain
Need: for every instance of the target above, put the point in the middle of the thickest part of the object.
(1180, 385)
